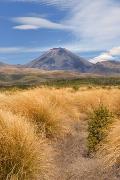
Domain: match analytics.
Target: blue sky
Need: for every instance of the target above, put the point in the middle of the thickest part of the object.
(30, 27)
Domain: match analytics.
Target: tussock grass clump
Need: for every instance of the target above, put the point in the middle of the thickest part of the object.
(38, 110)
(99, 121)
(75, 88)
(46, 108)
(88, 99)
(20, 156)
(109, 150)
(49, 112)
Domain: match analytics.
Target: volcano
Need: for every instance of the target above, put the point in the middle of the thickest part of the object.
(60, 59)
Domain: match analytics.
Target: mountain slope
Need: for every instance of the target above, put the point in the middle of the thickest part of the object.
(60, 59)
(111, 64)
(106, 67)
(3, 64)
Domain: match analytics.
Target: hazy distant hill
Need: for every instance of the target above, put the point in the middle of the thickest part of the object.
(28, 76)
(106, 67)
(2, 64)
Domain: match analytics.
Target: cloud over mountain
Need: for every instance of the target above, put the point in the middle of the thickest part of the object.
(113, 54)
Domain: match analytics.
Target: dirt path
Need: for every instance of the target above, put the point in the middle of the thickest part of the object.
(71, 161)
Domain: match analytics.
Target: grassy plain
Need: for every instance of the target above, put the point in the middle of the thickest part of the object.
(39, 126)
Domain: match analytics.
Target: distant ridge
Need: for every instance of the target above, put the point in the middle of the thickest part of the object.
(3, 64)
(106, 67)
(61, 59)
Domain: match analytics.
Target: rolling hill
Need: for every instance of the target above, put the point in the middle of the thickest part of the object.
(106, 67)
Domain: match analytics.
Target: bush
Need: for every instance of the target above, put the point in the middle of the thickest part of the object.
(75, 88)
(109, 151)
(20, 156)
(97, 126)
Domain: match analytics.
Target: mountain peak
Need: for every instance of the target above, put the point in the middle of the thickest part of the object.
(60, 59)
(59, 50)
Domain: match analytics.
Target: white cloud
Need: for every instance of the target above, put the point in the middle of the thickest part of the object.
(101, 58)
(19, 49)
(11, 50)
(110, 55)
(25, 27)
(115, 51)
(59, 3)
(27, 23)
(93, 23)
(8, 49)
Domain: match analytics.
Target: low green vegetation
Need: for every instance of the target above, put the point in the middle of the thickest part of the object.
(91, 81)
(99, 122)
(76, 83)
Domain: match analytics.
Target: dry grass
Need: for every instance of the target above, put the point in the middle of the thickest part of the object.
(109, 150)
(46, 108)
(49, 108)
(21, 152)
(47, 111)
(90, 99)
(36, 110)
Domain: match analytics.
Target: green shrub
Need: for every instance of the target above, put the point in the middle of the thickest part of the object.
(75, 88)
(90, 87)
(98, 124)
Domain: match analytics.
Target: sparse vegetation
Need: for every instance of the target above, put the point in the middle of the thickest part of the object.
(25, 78)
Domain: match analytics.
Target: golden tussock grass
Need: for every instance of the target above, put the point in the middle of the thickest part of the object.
(21, 152)
(109, 150)
(46, 108)
(88, 100)
(36, 110)
(47, 111)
